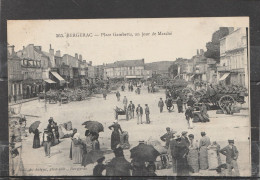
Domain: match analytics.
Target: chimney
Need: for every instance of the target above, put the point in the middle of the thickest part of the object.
(38, 47)
(80, 57)
(23, 47)
(11, 50)
(51, 51)
(58, 53)
(76, 55)
(197, 52)
(201, 52)
(90, 63)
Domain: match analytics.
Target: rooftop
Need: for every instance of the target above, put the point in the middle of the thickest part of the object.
(126, 63)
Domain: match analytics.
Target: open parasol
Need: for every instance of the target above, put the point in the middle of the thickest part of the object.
(94, 126)
(34, 126)
(92, 157)
(144, 152)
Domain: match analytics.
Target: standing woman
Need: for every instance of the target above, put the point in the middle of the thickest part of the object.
(36, 139)
(115, 136)
(76, 148)
(193, 155)
(87, 147)
(180, 152)
(203, 147)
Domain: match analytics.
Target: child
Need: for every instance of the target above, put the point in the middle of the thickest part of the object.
(99, 168)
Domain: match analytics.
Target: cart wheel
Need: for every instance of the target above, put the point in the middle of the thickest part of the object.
(224, 101)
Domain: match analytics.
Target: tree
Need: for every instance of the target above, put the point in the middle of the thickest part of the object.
(173, 70)
(213, 47)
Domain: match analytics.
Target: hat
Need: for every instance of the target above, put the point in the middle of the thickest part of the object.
(51, 117)
(141, 141)
(184, 133)
(160, 98)
(177, 136)
(191, 136)
(168, 129)
(203, 133)
(231, 141)
(146, 104)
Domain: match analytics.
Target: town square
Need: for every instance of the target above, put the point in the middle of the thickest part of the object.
(73, 115)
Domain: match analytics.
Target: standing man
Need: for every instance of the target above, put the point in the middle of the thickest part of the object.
(160, 105)
(184, 138)
(47, 142)
(167, 137)
(147, 112)
(179, 103)
(139, 113)
(105, 94)
(231, 153)
(125, 101)
(172, 145)
(131, 108)
(190, 101)
(189, 116)
(118, 95)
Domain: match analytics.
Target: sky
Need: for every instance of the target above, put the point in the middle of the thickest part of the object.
(186, 36)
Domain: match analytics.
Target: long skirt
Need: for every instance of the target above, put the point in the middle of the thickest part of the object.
(77, 154)
(193, 160)
(182, 167)
(36, 141)
(115, 139)
(203, 158)
(55, 140)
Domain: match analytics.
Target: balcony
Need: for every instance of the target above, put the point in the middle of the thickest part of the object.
(223, 68)
(16, 77)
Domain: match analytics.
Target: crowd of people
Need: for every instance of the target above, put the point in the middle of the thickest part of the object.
(190, 156)
(187, 155)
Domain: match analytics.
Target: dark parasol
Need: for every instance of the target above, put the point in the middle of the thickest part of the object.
(94, 126)
(144, 152)
(34, 126)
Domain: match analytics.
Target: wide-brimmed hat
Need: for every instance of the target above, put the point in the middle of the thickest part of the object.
(231, 141)
(168, 129)
(184, 133)
(203, 133)
(177, 136)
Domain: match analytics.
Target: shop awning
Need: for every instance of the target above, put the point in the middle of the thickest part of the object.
(134, 77)
(58, 77)
(49, 81)
(224, 76)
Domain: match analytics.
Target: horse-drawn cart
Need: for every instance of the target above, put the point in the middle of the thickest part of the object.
(119, 111)
(223, 97)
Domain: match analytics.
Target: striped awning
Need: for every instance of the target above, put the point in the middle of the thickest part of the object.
(49, 81)
(58, 77)
(224, 76)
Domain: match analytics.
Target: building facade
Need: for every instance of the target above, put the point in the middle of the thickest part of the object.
(15, 76)
(128, 69)
(233, 67)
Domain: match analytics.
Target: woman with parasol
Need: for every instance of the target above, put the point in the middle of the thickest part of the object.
(34, 129)
(115, 136)
(36, 139)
